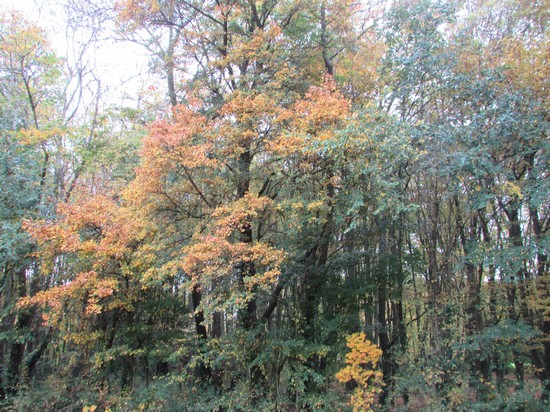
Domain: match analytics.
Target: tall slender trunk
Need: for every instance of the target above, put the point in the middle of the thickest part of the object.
(543, 279)
(515, 283)
(382, 298)
(248, 315)
(21, 322)
(498, 364)
(204, 372)
(327, 58)
(196, 297)
(315, 276)
(170, 65)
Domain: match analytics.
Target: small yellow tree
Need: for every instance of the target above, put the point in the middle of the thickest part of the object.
(361, 368)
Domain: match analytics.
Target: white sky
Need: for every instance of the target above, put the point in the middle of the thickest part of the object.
(121, 67)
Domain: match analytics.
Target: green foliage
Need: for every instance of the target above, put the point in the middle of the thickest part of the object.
(380, 173)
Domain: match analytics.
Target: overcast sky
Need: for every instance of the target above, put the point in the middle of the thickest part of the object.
(121, 67)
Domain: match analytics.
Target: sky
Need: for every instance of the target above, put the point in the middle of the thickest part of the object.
(122, 68)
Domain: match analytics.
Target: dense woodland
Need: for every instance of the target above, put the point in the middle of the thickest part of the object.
(318, 205)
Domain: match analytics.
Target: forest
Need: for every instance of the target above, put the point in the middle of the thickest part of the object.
(311, 205)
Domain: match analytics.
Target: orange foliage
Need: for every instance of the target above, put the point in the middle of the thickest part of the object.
(316, 118)
(177, 142)
(87, 287)
(527, 67)
(100, 230)
(136, 11)
(215, 253)
(178, 146)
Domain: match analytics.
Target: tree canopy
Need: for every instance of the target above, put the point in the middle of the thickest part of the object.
(315, 205)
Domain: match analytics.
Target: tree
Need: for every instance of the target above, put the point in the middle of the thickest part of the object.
(323, 172)
(50, 120)
(362, 361)
(29, 70)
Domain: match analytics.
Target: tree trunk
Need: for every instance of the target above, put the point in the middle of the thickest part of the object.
(21, 322)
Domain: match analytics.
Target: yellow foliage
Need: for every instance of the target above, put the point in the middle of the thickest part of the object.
(361, 368)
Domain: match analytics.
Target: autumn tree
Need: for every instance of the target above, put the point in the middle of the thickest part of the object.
(50, 124)
(361, 369)
(29, 70)
(319, 175)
